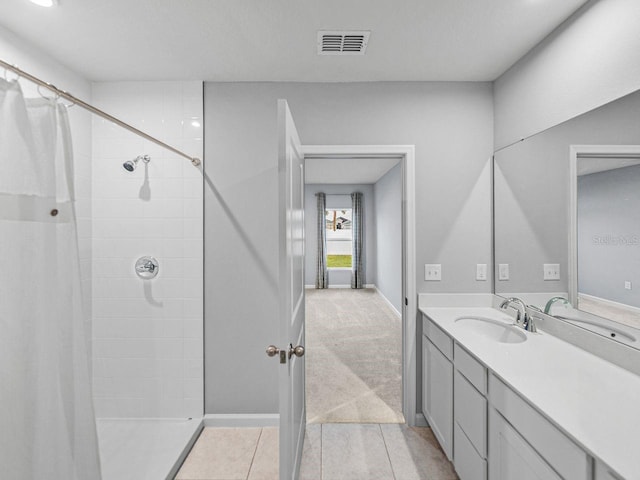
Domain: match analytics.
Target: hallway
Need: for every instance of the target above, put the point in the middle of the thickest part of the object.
(353, 359)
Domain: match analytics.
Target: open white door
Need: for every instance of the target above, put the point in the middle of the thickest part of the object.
(291, 214)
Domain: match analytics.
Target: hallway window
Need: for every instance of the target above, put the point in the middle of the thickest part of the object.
(339, 239)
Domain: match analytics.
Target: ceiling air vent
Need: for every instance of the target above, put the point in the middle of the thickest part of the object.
(340, 42)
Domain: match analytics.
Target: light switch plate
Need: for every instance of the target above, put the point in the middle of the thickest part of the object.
(481, 271)
(432, 272)
(503, 271)
(627, 285)
(551, 271)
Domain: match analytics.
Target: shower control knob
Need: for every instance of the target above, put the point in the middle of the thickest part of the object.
(147, 267)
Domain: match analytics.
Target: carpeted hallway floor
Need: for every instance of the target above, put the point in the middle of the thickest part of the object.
(353, 358)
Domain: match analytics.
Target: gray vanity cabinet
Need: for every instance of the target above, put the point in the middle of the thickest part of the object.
(486, 428)
(470, 416)
(511, 455)
(525, 445)
(437, 384)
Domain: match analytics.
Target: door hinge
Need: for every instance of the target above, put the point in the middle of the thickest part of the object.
(406, 301)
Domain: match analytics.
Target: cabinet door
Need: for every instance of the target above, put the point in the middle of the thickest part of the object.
(511, 457)
(470, 412)
(437, 394)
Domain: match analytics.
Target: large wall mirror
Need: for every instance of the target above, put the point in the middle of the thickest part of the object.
(567, 220)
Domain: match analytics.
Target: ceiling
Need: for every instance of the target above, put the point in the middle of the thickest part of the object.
(364, 171)
(275, 40)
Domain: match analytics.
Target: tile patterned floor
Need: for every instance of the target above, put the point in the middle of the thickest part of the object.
(233, 454)
(331, 452)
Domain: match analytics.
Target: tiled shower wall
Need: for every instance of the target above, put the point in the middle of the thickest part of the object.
(148, 334)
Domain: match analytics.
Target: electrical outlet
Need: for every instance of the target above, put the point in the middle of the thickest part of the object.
(627, 285)
(433, 272)
(503, 271)
(551, 271)
(481, 271)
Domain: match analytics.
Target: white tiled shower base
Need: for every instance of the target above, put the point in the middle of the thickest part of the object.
(144, 449)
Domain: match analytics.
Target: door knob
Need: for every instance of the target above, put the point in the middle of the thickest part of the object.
(272, 351)
(297, 351)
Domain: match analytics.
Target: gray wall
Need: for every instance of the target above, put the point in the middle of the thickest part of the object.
(590, 60)
(388, 203)
(339, 196)
(608, 234)
(451, 125)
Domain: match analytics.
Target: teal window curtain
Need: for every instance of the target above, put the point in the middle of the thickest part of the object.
(357, 270)
(322, 275)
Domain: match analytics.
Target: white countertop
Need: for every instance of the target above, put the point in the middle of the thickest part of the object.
(594, 402)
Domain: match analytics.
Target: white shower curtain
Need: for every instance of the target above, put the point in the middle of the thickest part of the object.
(47, 425)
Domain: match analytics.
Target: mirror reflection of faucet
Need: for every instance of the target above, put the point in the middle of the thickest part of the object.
(547, 307)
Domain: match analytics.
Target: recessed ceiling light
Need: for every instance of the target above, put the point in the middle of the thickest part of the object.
(45, 3)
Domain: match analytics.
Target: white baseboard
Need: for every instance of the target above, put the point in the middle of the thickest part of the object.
(367, 285)
(421, 421)
(242, 420)
(388, 302)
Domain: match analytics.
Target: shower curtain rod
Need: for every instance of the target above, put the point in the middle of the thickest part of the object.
(195, 161)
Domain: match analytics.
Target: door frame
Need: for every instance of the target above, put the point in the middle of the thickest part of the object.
(406, 154)
(575, 153)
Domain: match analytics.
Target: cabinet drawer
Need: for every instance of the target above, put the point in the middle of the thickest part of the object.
(469, 465)
(473, 370)
(438, 337)
(470, 413)
(569, 460)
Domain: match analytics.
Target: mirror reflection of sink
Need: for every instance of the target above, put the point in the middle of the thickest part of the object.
(494, 329)
(606, 330)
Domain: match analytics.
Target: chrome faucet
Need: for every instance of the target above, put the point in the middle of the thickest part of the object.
(547, 307)
(532, 325)
(523, 319)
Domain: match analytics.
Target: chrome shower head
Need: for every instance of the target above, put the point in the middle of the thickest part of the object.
(130, 165)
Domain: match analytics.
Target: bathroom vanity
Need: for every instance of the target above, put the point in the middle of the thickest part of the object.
(508, 404)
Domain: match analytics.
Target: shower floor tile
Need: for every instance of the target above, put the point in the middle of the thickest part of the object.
(143, 449)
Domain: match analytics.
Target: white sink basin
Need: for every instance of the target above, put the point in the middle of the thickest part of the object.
(487, 327)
